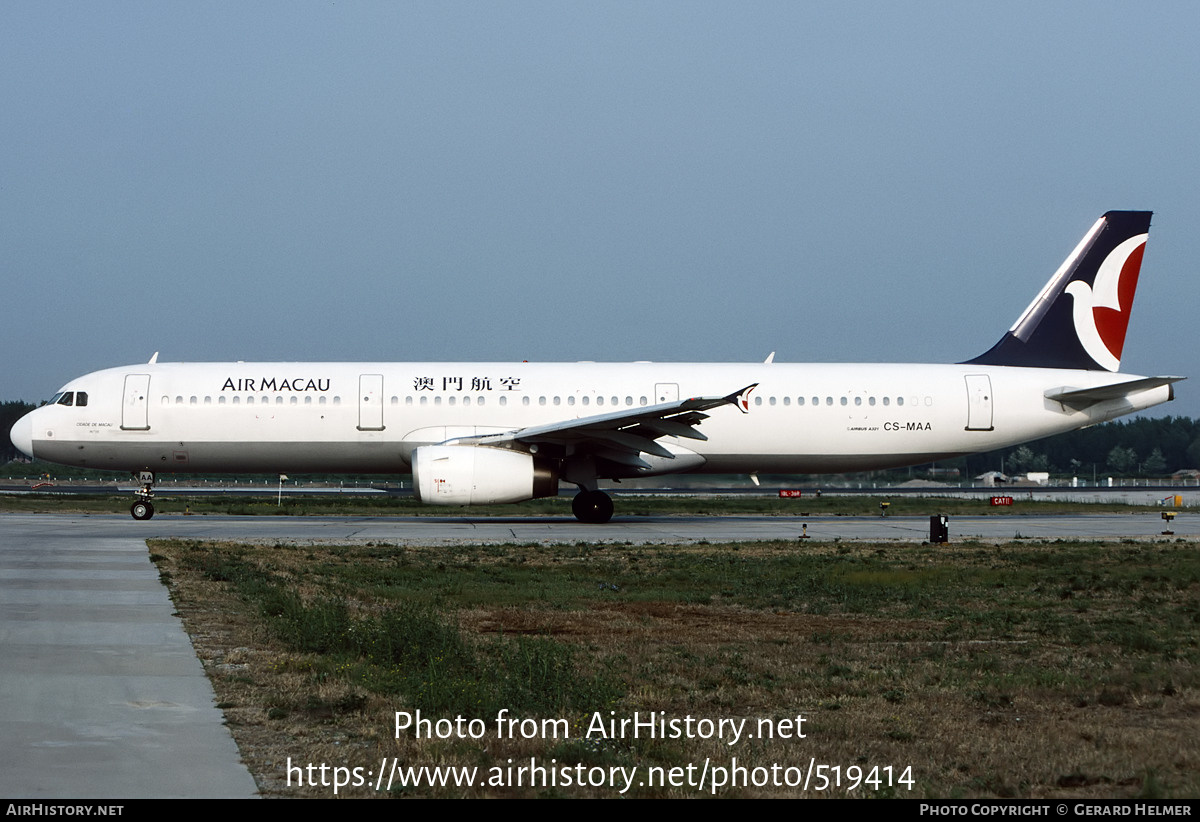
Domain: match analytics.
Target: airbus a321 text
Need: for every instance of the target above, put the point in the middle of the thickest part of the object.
(476, 433)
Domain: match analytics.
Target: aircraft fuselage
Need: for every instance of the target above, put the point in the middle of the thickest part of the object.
(369, 417)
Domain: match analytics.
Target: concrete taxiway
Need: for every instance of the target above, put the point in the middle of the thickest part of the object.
(101, 694)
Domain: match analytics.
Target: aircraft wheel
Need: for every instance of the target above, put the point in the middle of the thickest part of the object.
(141, 510)
(592, 507)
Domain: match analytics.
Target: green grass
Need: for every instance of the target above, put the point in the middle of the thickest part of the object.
(402, 646)
(1032, 669)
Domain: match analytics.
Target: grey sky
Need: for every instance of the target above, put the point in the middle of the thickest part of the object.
(564, 181)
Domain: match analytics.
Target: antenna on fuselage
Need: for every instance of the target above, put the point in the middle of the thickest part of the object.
(154, 359)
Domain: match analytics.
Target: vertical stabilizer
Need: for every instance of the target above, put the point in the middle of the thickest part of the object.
(1080, 318)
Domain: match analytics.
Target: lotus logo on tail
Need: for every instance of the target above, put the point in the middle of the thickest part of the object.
(1101, 311)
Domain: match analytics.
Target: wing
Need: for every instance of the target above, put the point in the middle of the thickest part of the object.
(618, 436)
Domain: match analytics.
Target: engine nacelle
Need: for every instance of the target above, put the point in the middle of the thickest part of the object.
(476, 475)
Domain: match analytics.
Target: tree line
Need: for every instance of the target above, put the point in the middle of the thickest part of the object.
(10, 412)
(1141, 447)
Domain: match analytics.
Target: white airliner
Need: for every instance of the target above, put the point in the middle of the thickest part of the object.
(476, 433)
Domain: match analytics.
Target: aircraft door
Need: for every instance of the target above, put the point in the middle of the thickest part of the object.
(135, 403)
(370, 402)
(666, 392)
(979, 402)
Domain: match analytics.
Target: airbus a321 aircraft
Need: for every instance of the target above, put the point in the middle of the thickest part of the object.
(476, 433)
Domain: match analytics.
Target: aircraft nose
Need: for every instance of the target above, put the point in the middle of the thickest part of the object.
(22, 435)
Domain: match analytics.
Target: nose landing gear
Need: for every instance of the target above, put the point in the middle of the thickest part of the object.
(143, 508)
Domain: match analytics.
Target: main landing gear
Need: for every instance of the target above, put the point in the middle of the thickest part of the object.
(143, 508)
(592, 506)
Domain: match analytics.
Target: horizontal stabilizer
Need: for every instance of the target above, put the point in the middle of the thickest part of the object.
(1083, 397)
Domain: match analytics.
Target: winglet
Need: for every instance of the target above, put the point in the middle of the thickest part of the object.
(742, 398)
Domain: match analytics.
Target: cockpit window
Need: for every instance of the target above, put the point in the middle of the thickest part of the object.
(67, 398)
(80, 399)
(54, 400)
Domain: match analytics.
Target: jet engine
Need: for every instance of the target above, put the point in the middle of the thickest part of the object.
(477, 475)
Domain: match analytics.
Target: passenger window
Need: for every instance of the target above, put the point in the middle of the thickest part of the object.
(858, 400)
(758, 400)
(192, 400)
(644, 401)
(220, 400)
(450, 400)
(308, 400)
(899, 400)
(424, 400)
(787, 400)
(479, 401)
(772, 400)
(237, 400)
(524, 400)
(629, 400)
(466, 400)
(503, 400)
(799, 400)
(843, 400)
(249, 400)
(599, 400)
(571, 400)
(541, 400)
(296, 400)
(585, 399)
(557, 400)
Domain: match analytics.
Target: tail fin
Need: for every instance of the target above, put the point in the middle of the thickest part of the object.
(1086, 331)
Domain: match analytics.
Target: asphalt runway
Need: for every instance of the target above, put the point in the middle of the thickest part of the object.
(443, 530)
(102, 696)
